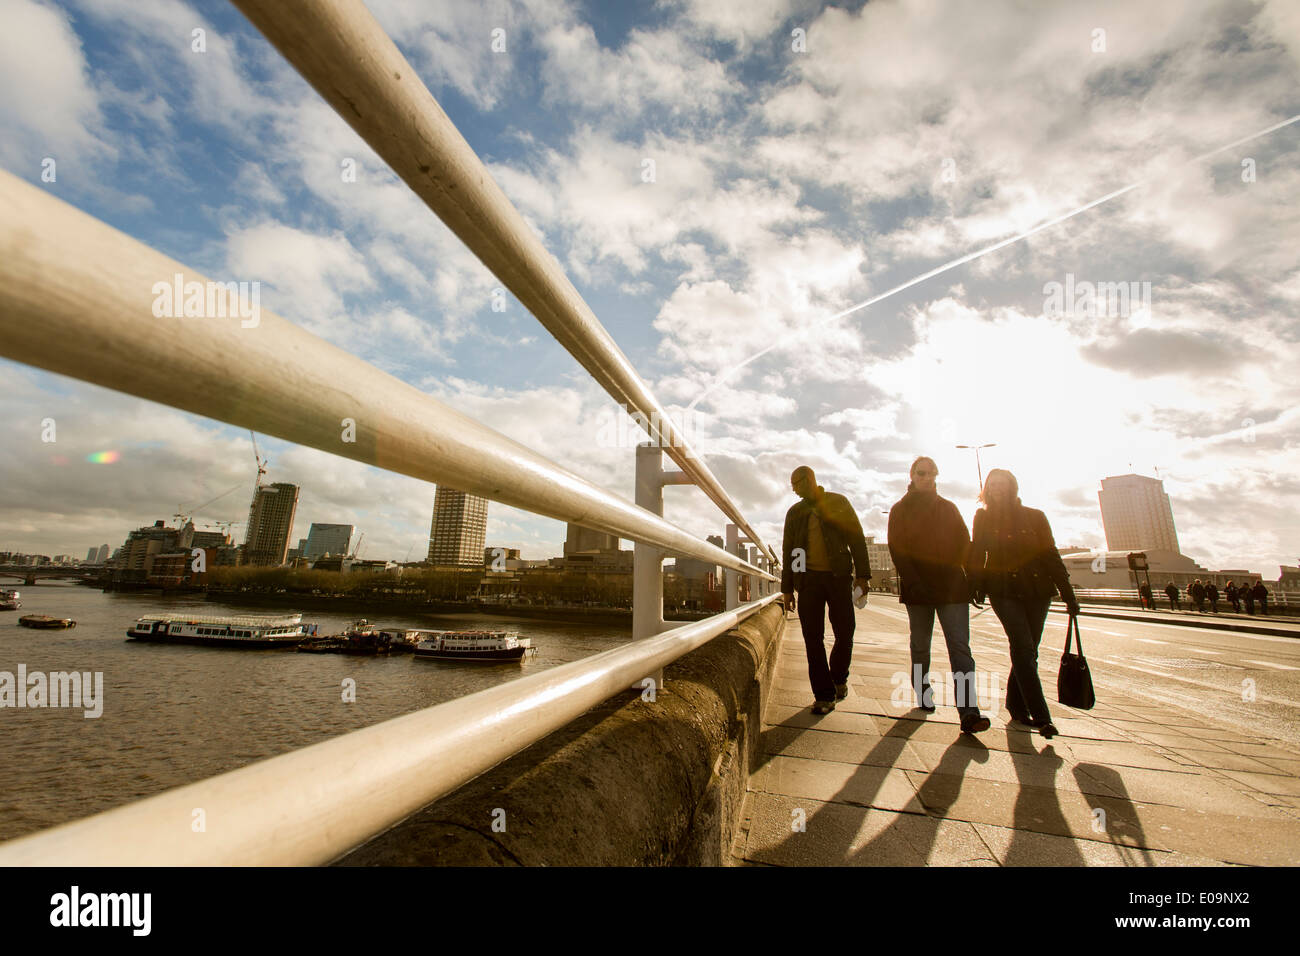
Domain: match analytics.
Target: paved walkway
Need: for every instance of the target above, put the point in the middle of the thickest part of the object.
(1129, 783)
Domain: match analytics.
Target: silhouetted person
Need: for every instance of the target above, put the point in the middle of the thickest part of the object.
(1260, 594)
(929, 543)
(1248, 597)
(1197, 592)
(1212, 595)
(1234, 598)
(1013, 560)
(1171, 589)
(823, 554)
(1148, 601)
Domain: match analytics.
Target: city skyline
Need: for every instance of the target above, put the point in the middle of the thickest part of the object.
(772, 199)
(1126, 497)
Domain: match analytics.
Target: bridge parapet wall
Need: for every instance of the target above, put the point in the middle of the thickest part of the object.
(633, 782)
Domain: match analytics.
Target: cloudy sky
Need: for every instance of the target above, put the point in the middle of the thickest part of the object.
(717, 177)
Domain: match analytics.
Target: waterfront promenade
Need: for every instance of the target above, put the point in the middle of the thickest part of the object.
(1134, 782)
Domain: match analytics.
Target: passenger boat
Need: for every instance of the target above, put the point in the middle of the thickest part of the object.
(9, 601)
(253, 631)
(489, 647)
(45, 621)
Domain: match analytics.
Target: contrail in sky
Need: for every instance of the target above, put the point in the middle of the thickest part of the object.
(976, 255)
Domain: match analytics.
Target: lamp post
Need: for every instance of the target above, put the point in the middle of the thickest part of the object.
(978, 470)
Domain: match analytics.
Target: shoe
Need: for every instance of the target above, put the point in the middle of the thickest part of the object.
(823, 707)
(841, 691)
(975, 723)
(1048, 729)
(928, 710)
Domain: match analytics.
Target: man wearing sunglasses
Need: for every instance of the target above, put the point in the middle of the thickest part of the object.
(928, 541)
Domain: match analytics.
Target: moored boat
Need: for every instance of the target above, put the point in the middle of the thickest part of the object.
(486, 647)
(9, 601)
(246, 631)
(45, 621)
(365, 639)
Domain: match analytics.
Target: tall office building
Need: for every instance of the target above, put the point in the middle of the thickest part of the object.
(270, 522)
(458, 530)
(331, 539)
(1136, 514)
(92, 555)
(580, 540)
(102, 556)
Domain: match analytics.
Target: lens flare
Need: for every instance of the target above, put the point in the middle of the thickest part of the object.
(103, 457)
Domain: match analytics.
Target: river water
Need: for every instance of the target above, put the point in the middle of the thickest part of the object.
(173, 715)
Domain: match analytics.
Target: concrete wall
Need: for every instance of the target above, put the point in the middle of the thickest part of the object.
(630, 783)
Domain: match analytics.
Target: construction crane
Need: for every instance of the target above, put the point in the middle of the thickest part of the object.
(357, 550)
(261, 463)
(186, 513)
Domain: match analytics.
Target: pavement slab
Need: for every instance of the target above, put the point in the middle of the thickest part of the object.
(877, 782)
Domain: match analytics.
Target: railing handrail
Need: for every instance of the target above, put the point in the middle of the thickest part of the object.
(276, 378)
(315, 804)
(97, 323)
(343, 52)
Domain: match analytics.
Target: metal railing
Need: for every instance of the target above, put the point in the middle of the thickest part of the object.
(76, 297)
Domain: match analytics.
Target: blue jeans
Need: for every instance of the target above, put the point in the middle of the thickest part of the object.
(955, 621)
(1023, 621)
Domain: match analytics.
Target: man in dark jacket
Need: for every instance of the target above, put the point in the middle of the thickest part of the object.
(1172, 590)
(929, 543)
(1212, 595)
(1233, 597)
(1260, 594)
(823, 555)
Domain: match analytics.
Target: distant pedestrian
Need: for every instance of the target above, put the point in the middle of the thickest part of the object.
(823, 554)
(1172, 590)
(1261, 595)
(1234, 598)
(1013, 560)
(1248, 596)
(1145, 598)
(1212, 595)
(928, 543)
(1197, 594)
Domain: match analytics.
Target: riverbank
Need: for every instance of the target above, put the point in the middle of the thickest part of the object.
(372, 603)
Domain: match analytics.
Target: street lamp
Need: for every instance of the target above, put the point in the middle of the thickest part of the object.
(978, 470)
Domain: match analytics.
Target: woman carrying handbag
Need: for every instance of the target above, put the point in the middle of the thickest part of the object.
(1014, 561)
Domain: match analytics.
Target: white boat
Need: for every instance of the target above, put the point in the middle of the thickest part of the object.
(251, 631)
(9, 601)
(488, 647)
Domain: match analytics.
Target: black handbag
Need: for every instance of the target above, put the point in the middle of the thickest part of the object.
(1074, 682)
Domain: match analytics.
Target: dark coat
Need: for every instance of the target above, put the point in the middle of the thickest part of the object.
(1259, 592)
(846, 546)
(929, 544)
(1013, 555)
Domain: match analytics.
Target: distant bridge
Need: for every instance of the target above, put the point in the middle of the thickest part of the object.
(29, 573)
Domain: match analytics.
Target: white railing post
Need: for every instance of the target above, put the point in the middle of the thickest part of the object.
(647, 560)
(732, 546)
